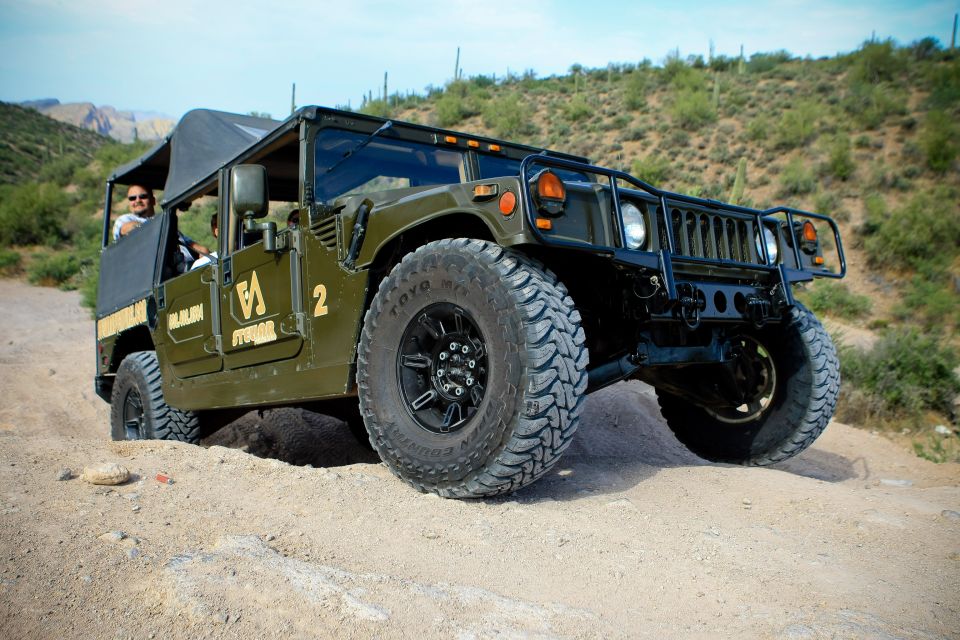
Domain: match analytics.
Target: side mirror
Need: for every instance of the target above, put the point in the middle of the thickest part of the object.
(248, 190)
(248, 197)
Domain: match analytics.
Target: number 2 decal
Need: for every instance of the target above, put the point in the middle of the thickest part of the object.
(320, 293)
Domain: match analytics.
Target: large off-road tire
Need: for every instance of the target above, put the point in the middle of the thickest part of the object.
(471, 369)
(798, 399)
(137, 408)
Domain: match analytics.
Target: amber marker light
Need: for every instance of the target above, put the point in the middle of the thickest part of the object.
(508, 202)
(450, 139)
(544, 224)
(473, 144)
(551, 187)
(494, 147)
(818, 260)
(809, 232)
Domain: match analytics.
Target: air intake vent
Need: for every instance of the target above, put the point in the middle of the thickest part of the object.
(326, 232)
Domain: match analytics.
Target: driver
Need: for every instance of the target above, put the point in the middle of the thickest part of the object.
(142, 205)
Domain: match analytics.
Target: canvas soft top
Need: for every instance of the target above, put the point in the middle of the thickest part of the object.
(200, 144)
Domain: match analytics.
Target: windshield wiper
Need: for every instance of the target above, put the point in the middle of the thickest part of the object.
(386, 125)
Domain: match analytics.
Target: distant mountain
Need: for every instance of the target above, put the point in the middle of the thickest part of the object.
(29, 141)
(125, 126)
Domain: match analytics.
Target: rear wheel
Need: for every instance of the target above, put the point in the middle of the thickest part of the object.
(471, 369)
(788, 378)
(137, 408)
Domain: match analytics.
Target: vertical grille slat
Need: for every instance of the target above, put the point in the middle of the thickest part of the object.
(709, 234)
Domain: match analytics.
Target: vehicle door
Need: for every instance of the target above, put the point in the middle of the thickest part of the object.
(188, 317)
(261, 319)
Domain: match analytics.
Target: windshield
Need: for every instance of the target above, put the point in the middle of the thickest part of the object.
(497, 167)
(384, 163)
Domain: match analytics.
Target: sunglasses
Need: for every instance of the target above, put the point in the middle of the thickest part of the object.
(142, 196)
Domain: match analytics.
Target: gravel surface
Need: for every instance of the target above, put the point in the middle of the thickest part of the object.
(282, 526)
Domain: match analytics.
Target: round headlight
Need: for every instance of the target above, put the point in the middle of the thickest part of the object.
(634, 227)
(771, 241)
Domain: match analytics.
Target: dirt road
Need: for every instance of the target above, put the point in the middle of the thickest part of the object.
(631, 536)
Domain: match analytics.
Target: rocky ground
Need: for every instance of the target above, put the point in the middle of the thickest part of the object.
(631, 536)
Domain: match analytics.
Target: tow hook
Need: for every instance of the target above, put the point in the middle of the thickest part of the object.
(690, 306)
(758, 310)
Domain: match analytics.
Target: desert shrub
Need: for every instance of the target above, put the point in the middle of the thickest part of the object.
(758, 129)
(652, 168)
(9, 261)
(937, 139)
(834, 298)
(691, 109)
(839, 160)
(763, 62)
(797, 179)
(924, 233)
(635, 90)
(53, 269)
(828, 203)
(930, 302)
(876, 62)
(944, 81)
(60, 170)
(797, 126)
(870, 104)
(32, 213)
(906, 372)
(450, 110)
(577, 109)
(508, 116)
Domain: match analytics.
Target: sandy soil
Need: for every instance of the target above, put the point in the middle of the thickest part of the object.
(631, 536)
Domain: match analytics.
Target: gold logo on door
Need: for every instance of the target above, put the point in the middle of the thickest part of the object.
(249, 293)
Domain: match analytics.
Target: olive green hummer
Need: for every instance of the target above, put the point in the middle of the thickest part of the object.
(453, 298)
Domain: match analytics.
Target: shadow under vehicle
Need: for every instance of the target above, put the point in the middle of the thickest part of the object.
(454, 298)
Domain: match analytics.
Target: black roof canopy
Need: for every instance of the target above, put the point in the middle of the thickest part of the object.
(198, 146)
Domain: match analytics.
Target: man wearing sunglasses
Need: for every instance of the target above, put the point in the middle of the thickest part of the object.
(141, 203)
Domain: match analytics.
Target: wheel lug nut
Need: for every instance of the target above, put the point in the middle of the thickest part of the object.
(454, 346)
(443, 355)
(465, 349)
(470, 382)
(446, 387)
(459, 391)
(440, 373)
(472, 364)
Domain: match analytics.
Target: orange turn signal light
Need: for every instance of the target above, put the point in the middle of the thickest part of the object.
(818, 260)
(450, 139)
(473, 144)
(545, 224)
(508, 202)
(550, 186)
(494, 147)
(483, 191)
(809, 232)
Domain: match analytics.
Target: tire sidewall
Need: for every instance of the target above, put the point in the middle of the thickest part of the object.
(130, 375)
(455, 277)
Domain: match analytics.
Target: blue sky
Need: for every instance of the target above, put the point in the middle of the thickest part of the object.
(242, 56)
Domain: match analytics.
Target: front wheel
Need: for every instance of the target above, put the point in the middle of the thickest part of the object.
(788, 378)
(471, 369)
(137, 408)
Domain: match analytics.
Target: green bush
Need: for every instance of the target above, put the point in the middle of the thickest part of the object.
(797, 126)
(635, 90)
(906, 372)
(691, 109)
(9, 261)
(923, 234)
(54, 269)
(652, 169)
(876, 62)
(577, 109)
(450, 110)
(944, 81)
(509, 116)
(870, 104)
(930, 302)
(32, 213)
(758, 129)
(839, 160)
(763, 62)
(835, 299)
(938, 141)
(796, 179)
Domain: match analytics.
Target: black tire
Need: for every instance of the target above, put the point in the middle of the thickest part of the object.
(137, 408)
(804, 396)
(521, 343)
